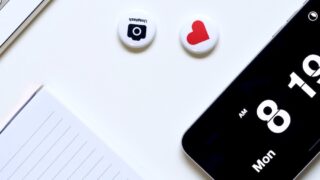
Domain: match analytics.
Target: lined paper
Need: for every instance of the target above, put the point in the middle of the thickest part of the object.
(45, 141)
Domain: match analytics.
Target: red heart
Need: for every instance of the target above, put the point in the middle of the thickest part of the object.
(198, 34)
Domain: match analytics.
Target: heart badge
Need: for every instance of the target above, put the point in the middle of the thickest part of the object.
(199, 33)
(202, 37)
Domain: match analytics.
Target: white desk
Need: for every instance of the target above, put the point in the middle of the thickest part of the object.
(140, 104)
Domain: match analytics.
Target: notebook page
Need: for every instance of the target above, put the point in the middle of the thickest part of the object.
(45, 141)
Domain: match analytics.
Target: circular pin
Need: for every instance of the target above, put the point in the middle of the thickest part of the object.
(313, 16)
(199, 35)
(137, 29)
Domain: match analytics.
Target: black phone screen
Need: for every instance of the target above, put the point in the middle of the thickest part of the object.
(266, 124)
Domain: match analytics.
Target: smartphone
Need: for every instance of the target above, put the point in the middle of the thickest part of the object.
(15, 15)
(266, 124)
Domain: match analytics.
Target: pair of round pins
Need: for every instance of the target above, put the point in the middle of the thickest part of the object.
(137, 30)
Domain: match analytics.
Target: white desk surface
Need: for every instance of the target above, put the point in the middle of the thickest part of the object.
(140, 104)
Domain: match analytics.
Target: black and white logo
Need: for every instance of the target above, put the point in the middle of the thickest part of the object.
(137, 32)
(137, 29)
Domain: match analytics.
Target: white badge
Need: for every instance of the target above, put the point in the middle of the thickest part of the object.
(137, 29)
(199, 35)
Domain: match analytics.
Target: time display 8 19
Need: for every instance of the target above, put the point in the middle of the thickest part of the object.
(278, 120)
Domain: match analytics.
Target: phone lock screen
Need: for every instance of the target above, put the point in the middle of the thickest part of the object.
(266, 124)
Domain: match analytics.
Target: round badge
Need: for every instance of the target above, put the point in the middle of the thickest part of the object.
(199, 35)
(137, 29)
(313, 16)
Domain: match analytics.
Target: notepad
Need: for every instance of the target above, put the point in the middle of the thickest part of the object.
(45, 141)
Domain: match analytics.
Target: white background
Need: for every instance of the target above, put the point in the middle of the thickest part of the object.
(140, 104)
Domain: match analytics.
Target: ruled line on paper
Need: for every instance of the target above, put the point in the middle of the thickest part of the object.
(92, 168)
(28, 140)
(115, 176)
(46, 141)
(49, 149)
(58, 156)
(83, 161)
(104, 171)
(38, 145)
(66, 164)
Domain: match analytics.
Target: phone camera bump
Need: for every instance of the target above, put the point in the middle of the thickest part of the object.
(313, 16)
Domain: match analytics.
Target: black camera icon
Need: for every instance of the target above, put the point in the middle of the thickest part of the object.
(137, 32)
